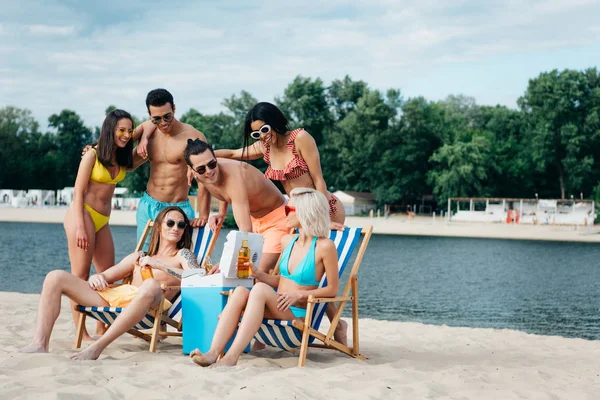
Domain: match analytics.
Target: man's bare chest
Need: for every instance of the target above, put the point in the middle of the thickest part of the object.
(163, 148)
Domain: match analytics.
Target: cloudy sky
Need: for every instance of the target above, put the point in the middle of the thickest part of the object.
(85, 55)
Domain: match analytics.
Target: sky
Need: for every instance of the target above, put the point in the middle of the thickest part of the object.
(86, 55)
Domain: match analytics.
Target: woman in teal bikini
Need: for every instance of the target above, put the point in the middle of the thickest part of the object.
(86, 223)
(306, 258)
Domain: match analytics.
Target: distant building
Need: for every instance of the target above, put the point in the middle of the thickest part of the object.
(7, 195)
(356, 202)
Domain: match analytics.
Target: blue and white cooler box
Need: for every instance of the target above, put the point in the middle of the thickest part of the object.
(201, 297)
(202, 302)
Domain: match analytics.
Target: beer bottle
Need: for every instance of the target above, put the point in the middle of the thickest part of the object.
(243, 268)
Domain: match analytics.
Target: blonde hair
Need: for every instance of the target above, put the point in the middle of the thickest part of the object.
(312, 211)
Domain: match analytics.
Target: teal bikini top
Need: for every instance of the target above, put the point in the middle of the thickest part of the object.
(305, 272)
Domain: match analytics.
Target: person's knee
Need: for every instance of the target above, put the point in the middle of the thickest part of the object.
(55, 278)
(240, 293)
(260, 289)
(150, 289)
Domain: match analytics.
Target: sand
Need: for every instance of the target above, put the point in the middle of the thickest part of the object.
(406, 360)
(396, 225)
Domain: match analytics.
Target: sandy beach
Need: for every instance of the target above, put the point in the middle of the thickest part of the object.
(396, 225)
(406, 360)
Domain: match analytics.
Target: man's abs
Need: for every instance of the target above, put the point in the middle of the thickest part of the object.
(168, 183)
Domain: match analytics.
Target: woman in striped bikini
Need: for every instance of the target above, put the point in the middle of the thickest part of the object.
(293, 159)
(292, 156)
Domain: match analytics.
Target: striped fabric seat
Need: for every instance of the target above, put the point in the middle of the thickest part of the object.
(203, 240)
(282, 334)
(109, 314)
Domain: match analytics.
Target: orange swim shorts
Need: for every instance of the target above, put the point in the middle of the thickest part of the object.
(273, 227)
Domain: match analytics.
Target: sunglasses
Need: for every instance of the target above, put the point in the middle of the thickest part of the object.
(202, 169)
(265, 129)
(167, 118)
(289, 209)
(180, 224)
(124, 131)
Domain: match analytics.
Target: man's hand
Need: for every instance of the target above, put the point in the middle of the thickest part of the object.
(97, 282)
(336, 226)
(198, 222)
(215, 220)
(142, 147)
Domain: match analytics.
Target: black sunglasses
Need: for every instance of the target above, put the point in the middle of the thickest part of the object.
(167, 118)
(171, 223)
(202, 169)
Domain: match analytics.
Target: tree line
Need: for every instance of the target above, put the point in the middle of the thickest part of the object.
(375, 141)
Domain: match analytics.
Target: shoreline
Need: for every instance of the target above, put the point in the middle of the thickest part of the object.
(395, 225)
(405, 360)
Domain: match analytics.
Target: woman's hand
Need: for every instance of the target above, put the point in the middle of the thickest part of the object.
(148, 261)
(285, 300)
(97, 282)
(81, 238)
(213, 269)
(85, 149)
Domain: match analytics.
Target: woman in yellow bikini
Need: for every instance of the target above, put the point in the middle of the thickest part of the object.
(86, 223)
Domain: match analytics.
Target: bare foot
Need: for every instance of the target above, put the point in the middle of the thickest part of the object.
(225, 362)
(34, 348)
(91, 353)
(87, 338)
(203, 360)
(101, 329)
(341, 332)
(258, 346)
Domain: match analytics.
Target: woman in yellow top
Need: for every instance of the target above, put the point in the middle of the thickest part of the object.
(86, 223)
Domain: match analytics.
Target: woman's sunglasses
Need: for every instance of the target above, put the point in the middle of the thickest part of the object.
(171, 223)
(202, 169)
(167, 118)
(265, 129)
(124, 131)
(289, 209)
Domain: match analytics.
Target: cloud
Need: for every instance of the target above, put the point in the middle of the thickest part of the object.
(96, 54)
(51, 30)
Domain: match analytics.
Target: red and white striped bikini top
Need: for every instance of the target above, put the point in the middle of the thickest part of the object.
(295, 168)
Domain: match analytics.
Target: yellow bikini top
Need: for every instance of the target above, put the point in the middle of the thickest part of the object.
(101, 175)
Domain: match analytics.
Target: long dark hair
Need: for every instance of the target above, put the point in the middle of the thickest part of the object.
(106, 141)
(270, 114)
(186, 239)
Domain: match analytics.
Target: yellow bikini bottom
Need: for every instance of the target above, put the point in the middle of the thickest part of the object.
(122, 295)
(99, 219)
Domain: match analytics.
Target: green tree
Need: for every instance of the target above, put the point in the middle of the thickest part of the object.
(304, 102)
(556, 106)
(71, 136)
(19, 141)
(461, 169)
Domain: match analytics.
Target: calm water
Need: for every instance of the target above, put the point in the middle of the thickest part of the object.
(539, 287)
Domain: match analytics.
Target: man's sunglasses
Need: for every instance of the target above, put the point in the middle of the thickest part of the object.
(171, 223)
(202, 169)
(167, 118)
(288, 210)
(265, 129)
(123, 131)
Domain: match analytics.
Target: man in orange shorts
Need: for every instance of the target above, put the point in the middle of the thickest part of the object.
(258, 206)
